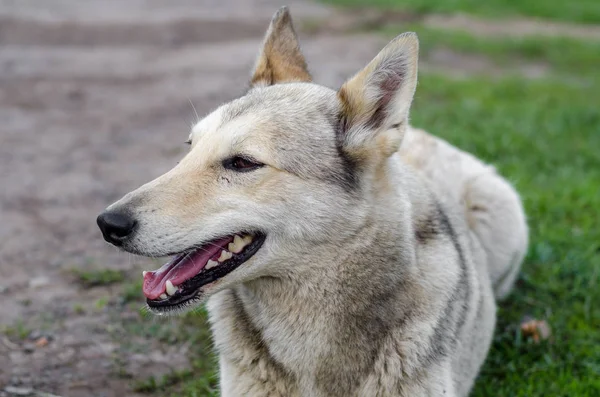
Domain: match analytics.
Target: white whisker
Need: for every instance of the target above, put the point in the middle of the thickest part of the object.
(195, 112)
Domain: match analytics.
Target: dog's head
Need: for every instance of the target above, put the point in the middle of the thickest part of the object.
(270, 176)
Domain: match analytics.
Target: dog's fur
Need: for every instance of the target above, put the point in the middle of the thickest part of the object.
(386, 247)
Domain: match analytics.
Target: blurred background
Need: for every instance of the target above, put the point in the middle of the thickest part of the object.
(96, 99)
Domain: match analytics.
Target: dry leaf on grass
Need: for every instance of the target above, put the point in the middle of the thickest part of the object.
(538, 330)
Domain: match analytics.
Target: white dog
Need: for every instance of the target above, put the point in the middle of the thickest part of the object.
(344, 252)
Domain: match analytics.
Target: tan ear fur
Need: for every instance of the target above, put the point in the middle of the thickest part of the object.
(280, 59)
(376, 101)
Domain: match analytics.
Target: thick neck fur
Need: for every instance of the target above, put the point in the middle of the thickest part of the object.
(343, 309)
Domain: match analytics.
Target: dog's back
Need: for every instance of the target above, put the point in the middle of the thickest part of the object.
(491, 207)
(490, 213)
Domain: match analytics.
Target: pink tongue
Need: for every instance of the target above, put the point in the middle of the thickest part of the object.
(179, 269)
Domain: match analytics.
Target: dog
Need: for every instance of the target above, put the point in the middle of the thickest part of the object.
(341, 251)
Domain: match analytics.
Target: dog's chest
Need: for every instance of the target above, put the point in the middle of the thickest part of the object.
(271, 347)
(295, 339)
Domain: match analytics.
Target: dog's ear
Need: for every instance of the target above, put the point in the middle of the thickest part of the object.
(376, 101)
(280, 59)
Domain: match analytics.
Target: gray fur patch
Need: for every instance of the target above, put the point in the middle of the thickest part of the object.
(357, 346)
(256, 339)
(449, 326)
(434, 225)
(348, 175)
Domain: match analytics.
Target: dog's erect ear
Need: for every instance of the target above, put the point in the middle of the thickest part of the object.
(375, 102)
(280, 59)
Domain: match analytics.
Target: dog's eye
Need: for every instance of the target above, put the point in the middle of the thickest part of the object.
(241, 164)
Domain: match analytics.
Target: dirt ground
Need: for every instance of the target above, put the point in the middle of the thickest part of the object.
(94, 101)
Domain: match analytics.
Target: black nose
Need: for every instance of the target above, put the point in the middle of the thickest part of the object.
(115, 226)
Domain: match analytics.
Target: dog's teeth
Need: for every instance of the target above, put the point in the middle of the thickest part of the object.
(163, 296)
(171, 289)
(237, 245)
(144, 273)
(225, 255)
(211, 264)
(247, 239)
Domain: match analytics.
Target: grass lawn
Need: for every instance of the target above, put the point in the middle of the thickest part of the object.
(584, 11)
(544, 135)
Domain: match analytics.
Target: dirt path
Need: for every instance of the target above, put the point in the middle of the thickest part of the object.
(512, 27)
(370, 18)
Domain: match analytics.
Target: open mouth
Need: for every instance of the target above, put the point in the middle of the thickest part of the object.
(180, 279)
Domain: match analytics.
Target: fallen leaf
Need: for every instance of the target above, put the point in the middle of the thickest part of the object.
(41, 342)
(538, 330)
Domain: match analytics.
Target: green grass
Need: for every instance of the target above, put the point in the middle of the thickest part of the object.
(132, 291)
(201, 378)
(584, 11)
(97, 277)
(18, 331)
(569, 57)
